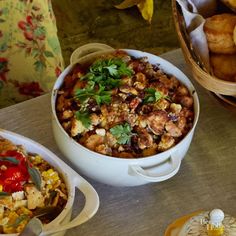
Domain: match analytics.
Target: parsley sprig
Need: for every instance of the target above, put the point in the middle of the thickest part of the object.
(101, 96)
(122, 133)
(103, 76)
(152, 95)
(84, 117)
(107, 72)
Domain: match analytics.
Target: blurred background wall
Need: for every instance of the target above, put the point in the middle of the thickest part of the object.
(84, 21)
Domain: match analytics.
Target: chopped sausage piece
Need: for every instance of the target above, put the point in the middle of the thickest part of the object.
(182, 90)
(141, 81)
(186, 101)
(127, 81)
(173, 129)
(128, 89)
(156, 121)
(145, 139)
(181, 123)
(166, 142)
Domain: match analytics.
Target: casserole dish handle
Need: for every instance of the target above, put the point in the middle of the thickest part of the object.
(145, 174)
(87, 49)
(90, 207)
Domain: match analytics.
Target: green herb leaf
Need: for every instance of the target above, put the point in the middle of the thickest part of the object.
(101, 96)
(4, 194)
(35, 177)
(83, 116)
(10, 159)
(103, 70)
(122, 133)
(112, 69)
(153, 95)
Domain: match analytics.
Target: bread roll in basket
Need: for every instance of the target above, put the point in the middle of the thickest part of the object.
(200, 74)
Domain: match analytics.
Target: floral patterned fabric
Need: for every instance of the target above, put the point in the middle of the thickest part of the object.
(30, 53)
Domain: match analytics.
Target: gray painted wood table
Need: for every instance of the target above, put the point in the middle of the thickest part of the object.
(206, 180)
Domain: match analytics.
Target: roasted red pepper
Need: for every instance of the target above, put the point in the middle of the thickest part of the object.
(13, 176)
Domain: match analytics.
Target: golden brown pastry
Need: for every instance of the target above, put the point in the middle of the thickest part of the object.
(230, 3)
(219, 33)
(224, 66)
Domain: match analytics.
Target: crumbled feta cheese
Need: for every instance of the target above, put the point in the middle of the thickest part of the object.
(18, 195)
(101, 132)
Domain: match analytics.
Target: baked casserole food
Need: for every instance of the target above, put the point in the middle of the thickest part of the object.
(28, 185)
(124, 107)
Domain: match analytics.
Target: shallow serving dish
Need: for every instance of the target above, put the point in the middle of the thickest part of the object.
(123, 171)
(62, 222)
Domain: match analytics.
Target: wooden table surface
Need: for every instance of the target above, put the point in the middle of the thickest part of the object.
(206, 180)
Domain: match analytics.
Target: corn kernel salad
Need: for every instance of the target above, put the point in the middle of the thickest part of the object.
(28, 186)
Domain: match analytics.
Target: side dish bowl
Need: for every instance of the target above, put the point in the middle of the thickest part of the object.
(123, 171)
(72, 180)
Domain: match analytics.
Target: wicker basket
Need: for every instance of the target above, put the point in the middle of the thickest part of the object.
(208, 81)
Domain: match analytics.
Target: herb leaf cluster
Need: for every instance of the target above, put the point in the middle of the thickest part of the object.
(83, 116)
(103, 76)
(122, 133)
(107, 72)
(152, 95)
(89, 92)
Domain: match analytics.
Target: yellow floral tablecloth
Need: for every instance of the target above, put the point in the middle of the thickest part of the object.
(30, 53)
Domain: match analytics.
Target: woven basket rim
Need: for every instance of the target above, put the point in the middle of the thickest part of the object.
(208, 81)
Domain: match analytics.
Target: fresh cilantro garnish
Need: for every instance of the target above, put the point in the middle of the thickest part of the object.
(122, 133)
(153, 95)
(83, 116)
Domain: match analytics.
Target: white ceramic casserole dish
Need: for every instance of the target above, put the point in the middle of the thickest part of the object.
(120, 171)
(61, 223)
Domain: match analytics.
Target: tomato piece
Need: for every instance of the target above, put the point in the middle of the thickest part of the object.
(13, 175)
(13, 187)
